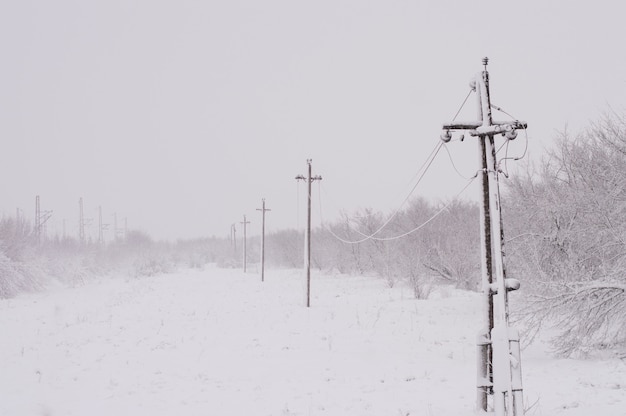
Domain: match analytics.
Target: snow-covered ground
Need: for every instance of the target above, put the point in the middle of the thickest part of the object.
(218, 342)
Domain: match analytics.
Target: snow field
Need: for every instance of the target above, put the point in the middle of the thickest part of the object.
(218, 342)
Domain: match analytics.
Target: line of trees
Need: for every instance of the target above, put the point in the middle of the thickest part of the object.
(28, 265)
(444, 249)
(566, 222)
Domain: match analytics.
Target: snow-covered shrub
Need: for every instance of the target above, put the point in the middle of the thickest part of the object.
(152, 264)
(567, 231)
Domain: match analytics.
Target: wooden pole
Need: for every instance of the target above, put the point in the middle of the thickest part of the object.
(263, 210)
(245, 254)
(307, 236)
(484, 374)
(498, 373)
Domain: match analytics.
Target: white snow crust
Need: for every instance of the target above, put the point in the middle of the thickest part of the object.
(220, 342)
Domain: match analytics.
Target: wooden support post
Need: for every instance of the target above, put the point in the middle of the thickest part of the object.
(307, 236)
(245, 254)
(263, 210)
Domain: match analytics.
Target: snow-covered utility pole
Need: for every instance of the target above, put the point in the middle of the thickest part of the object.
(263, 211)
(101, 228)
(307, 237)
(81, 222)
(245, 254)
(499, 361)
(41, 217)
(233, 237)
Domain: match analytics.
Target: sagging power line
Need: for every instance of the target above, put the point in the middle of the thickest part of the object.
(420, 175)
(402, 234)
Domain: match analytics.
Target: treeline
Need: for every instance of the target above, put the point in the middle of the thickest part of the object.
(28, 265)
(566, 228)
(443, 248)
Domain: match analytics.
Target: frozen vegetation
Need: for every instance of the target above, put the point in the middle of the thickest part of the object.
(138, 326)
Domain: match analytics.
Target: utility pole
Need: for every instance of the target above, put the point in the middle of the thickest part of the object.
(307, 237)
(233, 238)
(100, 233)
(263, 210)
(81, 222)
(41, 217)
(499, 359)
(101, 227)
(38, 219)
(117, 232)
(245, 254)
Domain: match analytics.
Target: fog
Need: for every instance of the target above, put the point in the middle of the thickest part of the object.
(179, 116)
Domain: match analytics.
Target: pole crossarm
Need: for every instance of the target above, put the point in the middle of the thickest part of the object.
(313, 178)
(499, 126)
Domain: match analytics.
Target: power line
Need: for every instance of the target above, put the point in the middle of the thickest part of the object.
(453, 164)
(423, 169)
(307, 246)
(427, 165)
(432, 153)
(506, 157)
(372, 237)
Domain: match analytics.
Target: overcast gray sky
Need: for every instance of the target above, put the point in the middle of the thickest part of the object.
(181, 115)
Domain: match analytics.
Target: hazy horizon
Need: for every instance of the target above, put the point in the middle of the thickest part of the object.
(181, 116)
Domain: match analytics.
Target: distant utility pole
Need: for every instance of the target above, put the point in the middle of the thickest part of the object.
(101, 227)
(307, 237)
(245, 254)
(263, 210)
(117, 231)
(233, 238)
(41, 217)
(81, 222)
(499, 359)
(38, 219)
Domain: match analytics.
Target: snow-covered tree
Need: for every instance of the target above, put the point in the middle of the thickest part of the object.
(567, 233)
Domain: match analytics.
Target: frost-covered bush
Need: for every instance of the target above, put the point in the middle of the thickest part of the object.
(419, 244)
(26, 264)
(152, 264)
(568, 238)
